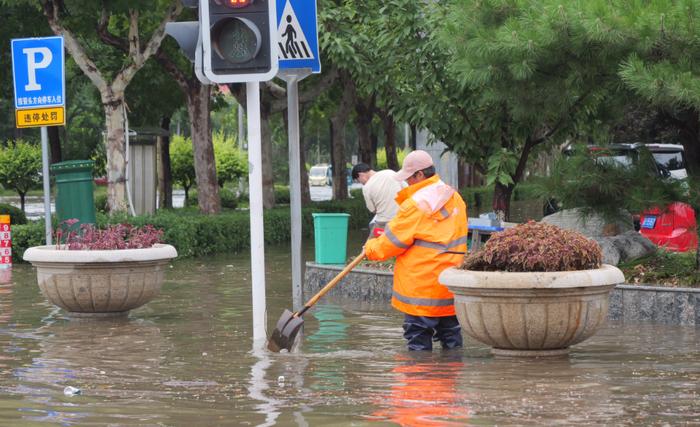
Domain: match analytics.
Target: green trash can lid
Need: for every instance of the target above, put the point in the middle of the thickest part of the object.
(72, 166)
(315, 214)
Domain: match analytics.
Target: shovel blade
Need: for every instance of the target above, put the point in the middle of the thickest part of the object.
(288, 326)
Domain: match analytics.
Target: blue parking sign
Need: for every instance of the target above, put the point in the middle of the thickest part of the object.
(38, 70)
(297, 35)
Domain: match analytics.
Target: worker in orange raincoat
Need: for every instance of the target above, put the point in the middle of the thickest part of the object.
(430, 226)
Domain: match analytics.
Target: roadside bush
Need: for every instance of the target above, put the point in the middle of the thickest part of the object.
(182, 162)
(228, 199)
(231, 161)
(282, 194)
(20, 164)
(477, 196)
(101, 203)
(17, 217)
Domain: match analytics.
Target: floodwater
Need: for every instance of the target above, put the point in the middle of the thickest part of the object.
(187, 359)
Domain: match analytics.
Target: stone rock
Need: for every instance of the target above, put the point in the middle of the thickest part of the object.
(625, 247)
(611, 255)
(633, 245)
(592, 226)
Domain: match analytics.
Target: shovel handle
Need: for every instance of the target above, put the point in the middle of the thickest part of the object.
(330, 284)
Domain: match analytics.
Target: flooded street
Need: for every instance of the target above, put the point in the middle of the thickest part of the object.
(186, 359)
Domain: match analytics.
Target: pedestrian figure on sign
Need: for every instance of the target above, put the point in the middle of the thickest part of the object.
(291, 34)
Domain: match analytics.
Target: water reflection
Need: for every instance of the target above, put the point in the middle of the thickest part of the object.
(425, 391)
(258, 385)
(89, 355)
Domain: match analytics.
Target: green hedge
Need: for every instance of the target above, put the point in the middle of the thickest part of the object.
(194, 234)
(17, 217)
(228, 198)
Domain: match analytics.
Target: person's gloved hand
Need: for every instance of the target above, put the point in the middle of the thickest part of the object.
(377, 232)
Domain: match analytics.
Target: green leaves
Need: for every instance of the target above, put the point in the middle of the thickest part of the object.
(501, 167)
(20, 164)
(231, 161)
(182, 161)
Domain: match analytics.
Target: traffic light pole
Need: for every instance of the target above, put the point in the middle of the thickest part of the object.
(257, 233)
(292, 77)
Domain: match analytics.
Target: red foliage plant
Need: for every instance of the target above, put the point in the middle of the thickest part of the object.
(115, 236)
(536, 246)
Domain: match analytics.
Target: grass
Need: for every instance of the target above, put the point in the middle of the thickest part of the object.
(664, 269)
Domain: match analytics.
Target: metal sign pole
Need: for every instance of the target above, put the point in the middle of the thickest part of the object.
(257, 232)
(292, 77)
(46, 179)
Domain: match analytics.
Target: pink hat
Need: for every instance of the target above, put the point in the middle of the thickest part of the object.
(414, 162)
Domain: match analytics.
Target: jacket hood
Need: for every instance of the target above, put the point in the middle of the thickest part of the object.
(430, 196)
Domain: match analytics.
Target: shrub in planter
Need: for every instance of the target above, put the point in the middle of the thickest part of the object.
(536, 246)
(101, 272)
(533, 290)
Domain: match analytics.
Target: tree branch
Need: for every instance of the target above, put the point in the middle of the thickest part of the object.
(107, 37)
(139, 57)
(87, 66)
(326, 81)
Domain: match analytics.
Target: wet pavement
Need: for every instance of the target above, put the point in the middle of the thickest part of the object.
(187, 359)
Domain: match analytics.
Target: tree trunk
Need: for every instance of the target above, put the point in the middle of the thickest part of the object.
(204, 163)
(501, 201)
(363, 122)
(21, 200)
(116, 152)
(54, 143)
(338, 122)
(689, 124)
(392, 159)
(374, 139)
(414, 137)
(167, 189)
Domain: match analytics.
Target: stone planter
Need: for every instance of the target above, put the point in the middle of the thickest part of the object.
(531, 314)
(100, 282)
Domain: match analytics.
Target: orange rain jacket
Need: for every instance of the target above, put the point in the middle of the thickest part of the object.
(432, 219)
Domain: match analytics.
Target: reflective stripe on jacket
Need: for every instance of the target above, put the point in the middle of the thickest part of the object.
(432, 219)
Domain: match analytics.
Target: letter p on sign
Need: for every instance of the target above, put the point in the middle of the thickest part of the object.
(32, 64)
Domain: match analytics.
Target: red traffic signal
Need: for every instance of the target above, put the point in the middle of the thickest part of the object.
(234, 4)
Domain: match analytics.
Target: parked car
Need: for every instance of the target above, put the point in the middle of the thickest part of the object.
(670, 157)
(320, 175)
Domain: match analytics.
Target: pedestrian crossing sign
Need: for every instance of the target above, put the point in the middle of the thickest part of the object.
(297, 35)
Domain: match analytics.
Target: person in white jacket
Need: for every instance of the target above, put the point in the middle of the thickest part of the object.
(379, 189)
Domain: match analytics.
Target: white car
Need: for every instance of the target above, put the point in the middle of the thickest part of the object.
(670, 157)
(320, 175)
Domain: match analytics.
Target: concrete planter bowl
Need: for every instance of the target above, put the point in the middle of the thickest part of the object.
(531, 314)
(100, 283)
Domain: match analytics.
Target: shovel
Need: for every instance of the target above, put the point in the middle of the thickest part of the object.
(290, 323)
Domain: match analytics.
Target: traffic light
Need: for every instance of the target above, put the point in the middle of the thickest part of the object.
(189, 37)
(239, 40)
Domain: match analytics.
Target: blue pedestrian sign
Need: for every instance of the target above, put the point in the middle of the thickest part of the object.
(297, 35)
(38, 69)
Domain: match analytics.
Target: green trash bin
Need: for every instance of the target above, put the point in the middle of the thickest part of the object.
(331, 237)
(74, 191)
